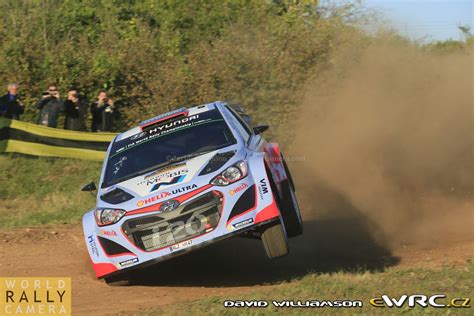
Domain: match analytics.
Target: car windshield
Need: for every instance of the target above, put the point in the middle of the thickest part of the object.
(166, 143)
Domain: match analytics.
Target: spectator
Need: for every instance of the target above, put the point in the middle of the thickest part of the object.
(50, 106)
(102, 112)
(76, 112)
(10, 105)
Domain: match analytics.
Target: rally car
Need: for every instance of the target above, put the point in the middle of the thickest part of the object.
(183, 180)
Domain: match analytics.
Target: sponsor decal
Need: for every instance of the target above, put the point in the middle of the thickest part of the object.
(184, 189)
(166, 170)
(128, 262)
(164, 175)
(35, 296)
(160, 130)
(93, 245)
(262, 188)
(238, 189)
(243, 223)
(165, 194)
(175, 180)
(153, 199)
(293, 304)
(181, 245)
(170, 125)
(412, 301)
(109, 233)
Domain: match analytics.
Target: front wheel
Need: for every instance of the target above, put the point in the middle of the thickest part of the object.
(118, 280)
(275, 242)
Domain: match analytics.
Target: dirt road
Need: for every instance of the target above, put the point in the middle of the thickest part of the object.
(230, 267)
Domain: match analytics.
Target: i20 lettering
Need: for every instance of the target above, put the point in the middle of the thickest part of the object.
(177, 228)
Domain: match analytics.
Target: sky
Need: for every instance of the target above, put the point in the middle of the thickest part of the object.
(426, 20)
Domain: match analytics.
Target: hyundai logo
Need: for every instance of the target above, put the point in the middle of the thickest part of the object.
(137, 136)
(168, 206)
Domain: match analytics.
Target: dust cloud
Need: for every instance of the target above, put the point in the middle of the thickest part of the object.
(394, 141)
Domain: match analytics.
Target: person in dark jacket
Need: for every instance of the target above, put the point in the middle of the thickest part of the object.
(50, 106)
(10, 105)
(75, 109)
(102, 113)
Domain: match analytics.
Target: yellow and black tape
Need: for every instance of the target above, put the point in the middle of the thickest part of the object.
(31, 139)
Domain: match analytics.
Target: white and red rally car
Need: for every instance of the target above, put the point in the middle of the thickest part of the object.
(183, 180)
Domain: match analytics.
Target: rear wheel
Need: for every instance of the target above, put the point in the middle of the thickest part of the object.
(275, 242)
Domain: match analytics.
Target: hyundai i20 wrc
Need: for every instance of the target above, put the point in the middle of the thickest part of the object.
(183, 180)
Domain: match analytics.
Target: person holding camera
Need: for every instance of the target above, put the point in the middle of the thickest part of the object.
(50, 106)
(102, 113)
(75, 109)
(10, 105)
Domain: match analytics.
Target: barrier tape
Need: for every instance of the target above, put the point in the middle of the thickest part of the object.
(31, 139)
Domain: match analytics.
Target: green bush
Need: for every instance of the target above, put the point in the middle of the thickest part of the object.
(156, 55)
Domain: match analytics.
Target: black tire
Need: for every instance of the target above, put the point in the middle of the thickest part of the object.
(288, 173)
(118, 280)
(275, 242)
(290, 210)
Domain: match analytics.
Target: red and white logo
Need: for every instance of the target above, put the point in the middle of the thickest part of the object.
(152, 199)
(238, 189)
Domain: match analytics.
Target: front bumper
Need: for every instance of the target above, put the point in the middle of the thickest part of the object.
(204, 216)
(178, 253)
(190, 219)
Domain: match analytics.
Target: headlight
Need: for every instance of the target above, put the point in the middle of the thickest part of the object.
(107, 216)
(231, 174)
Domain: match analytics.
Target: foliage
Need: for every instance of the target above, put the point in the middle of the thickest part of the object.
(452, 46)
(156, 55)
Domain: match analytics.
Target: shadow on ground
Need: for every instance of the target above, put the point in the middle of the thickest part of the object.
(340, 239)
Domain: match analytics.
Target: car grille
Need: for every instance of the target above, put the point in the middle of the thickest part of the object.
(190, 219)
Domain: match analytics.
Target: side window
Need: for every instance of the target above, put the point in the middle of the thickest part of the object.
(242, 127)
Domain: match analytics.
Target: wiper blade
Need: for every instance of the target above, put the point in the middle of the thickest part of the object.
(138, 173)
(161, 165)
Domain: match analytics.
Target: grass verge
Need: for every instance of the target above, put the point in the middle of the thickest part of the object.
(453, 281)
(39, 190)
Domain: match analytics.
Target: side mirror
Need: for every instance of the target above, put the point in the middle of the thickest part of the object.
(89, 187)
(260, 129)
